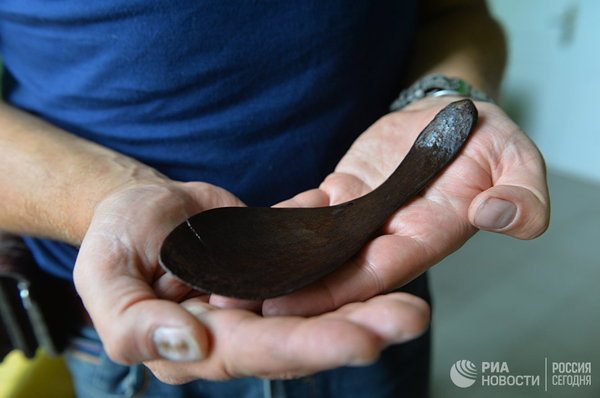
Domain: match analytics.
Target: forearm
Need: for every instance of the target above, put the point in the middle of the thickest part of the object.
(52, 180)
(459, 38)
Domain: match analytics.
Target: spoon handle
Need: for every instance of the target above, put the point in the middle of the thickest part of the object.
(435, 147)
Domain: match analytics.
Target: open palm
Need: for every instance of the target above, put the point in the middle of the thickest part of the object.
(144, 314)
(497, 183)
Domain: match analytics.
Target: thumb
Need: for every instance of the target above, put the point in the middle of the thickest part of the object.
(134, 325)
(154, 329)
(513, 210)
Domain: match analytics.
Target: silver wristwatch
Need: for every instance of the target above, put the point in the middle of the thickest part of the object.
(437, 86)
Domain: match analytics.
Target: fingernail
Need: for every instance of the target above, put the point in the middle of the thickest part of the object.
(176, 344)
(495, 213)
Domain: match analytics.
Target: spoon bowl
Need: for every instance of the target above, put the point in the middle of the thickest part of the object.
(260, 252)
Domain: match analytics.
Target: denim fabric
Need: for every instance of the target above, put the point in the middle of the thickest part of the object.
(401, 371)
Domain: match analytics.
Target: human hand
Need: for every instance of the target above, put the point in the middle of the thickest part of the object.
(497, 183)
(143, 314)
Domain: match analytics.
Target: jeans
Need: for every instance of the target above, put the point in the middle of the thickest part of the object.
(401, 371)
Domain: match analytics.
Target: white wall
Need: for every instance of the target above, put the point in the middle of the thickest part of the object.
(552, 84)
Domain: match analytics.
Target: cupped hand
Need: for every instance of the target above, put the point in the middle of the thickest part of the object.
(143, 314)
(497, 183)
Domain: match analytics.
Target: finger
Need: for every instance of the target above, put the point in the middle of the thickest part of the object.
(134, 325)
(518, 211)
(294, 346)
(170, 288)
(229, 302)
(337, 188)
(518, 203)
(343, 187)
(374, 270)
(311, 198)
(412, 322)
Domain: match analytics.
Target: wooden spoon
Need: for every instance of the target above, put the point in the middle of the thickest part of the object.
(261, 252)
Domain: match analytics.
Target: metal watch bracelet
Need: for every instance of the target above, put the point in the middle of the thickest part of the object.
(437, 86)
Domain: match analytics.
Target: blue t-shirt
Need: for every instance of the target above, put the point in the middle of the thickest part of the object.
(259, 97)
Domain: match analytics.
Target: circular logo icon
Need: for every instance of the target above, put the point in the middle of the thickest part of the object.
(463, 373)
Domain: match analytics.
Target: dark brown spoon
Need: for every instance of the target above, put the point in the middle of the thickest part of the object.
(261, 252)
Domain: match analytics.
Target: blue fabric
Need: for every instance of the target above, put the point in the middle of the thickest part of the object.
(259, 97)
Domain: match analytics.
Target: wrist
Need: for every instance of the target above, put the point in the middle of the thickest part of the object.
(52, 180)
(108, 179)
